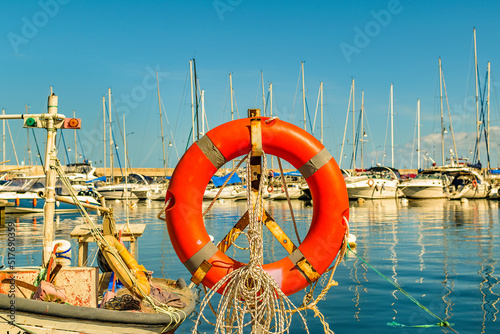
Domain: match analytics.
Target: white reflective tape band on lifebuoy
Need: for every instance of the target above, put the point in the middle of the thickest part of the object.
(315, 163)
(205, 253)
(297, 256)
(211, 151)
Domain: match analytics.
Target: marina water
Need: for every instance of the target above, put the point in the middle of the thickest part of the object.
(443, 253)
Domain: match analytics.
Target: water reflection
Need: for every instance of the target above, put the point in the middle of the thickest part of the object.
(442, 252)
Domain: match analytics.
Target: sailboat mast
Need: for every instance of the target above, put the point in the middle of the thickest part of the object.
(161, 127)
(271, 114)
(418, 135)
(303, 94)
(478, 123)
(362, 132)
(76, 148)
(3, 135)
(392, 126)
(353, 128)
(197, 115)
(488, 120)
(28, 142)
(321, 90)
(232, 101)
(104, 130)
(192, 96)
(263, 93)
(202, 112)
(111, 143)
(442, 116)
(50, 175)
(127, 194)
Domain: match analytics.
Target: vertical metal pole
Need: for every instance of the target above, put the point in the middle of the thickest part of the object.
(192, 96)
(303, 94)
(50, 175)
(362, 132)
(488, 120)
(161, 128)
(418, 135)
(478, 123)
(104, 131)
(76, 149)
(111, 143)
(271, 113)
(263, 93)
(392, 126)
(353, 128)
(3, 135)
(442, 117)
(321, 89)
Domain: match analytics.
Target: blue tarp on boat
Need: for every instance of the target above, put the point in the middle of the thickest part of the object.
(102, 178)
(219, 181)
(495, 171)
(293, 173)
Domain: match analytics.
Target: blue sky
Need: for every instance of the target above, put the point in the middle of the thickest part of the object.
(84, 48)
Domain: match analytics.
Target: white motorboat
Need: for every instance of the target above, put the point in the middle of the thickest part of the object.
(124, 189)
(377, 183)
(428, 184)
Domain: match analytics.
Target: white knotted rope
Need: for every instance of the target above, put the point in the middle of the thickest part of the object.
(251, 297)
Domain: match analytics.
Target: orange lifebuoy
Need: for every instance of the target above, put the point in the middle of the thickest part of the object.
(141, 281)
(228, 141)
(370, 182)
(474, 183)
(270, 188)
(282, 189)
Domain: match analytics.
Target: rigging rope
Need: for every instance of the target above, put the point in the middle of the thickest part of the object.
(175, 314)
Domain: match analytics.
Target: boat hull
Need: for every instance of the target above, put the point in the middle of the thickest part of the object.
(423, 192)
(379, 190)
(47, 317)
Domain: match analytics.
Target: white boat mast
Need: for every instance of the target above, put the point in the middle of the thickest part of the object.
(353, 128)
(161, 127)
(345, 127)
(362, 133)
(418, 134)
(76, 149)
(488, 120)
(303, 94)
(202, 112)
(321, 90)
(3, 136)
(111, 142)
(192, 97)
(28, 142)
(263, 93)
(104, 131)
(478, 123)
(392, 126)
(271, 114)
(443, 128)
(232, 101)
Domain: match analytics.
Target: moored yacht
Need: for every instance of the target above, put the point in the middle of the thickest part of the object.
(377, 183)
(428, 184)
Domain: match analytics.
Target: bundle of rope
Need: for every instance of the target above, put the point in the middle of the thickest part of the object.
(249, 290)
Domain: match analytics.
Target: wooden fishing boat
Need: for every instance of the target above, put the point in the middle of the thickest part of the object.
(54, 298)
